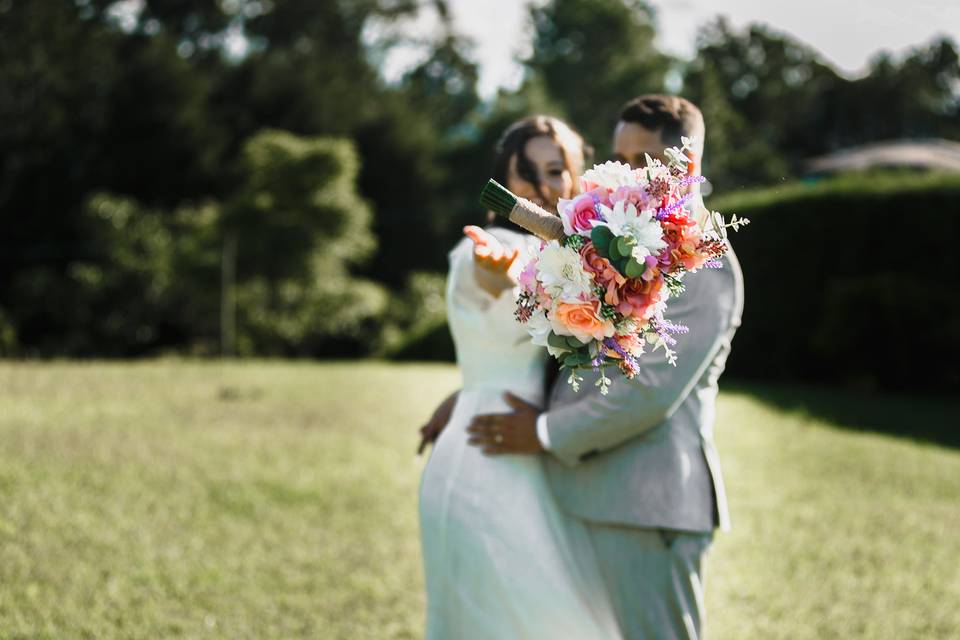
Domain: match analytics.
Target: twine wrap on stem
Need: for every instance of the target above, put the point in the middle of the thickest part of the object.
(521, 211)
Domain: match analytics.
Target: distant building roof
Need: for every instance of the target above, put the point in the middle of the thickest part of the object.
(931, 155)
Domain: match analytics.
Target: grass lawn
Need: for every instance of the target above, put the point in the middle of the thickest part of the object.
(278, 500)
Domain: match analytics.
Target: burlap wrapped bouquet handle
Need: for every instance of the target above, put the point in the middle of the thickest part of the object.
(521, 211)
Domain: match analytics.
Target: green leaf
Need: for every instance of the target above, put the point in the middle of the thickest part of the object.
(571, 360)
(624, 246)
(634, 269)
(601, 238)
(574, 342)
(560, 342)
(615, 251)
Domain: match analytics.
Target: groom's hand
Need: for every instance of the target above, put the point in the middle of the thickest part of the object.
(500, 433)
(431, 431)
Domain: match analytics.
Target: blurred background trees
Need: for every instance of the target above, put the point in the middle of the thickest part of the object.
(168, 167)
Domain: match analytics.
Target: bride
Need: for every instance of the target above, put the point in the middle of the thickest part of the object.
(501, 561)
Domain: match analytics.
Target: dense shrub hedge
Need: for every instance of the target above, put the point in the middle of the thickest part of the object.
(851, 281)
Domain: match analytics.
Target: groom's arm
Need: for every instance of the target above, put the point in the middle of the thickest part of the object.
(596, 423)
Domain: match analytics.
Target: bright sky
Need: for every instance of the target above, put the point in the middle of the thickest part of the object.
(846, 32)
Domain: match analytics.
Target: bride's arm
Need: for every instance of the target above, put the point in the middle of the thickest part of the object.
(491, 262)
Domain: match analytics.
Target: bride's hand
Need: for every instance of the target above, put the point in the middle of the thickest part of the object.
(488, 253)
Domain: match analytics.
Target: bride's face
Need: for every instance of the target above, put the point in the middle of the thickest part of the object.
(548, 169)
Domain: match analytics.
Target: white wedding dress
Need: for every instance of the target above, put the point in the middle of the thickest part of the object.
(502, 562)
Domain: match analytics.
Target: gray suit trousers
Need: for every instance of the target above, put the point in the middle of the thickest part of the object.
(655, 578)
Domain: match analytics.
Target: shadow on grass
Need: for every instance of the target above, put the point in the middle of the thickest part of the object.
(923, 418)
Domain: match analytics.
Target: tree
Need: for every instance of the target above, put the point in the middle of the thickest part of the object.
(301, 226)
(594, 55)
(916, 97)
(771, 103)
(763, 94)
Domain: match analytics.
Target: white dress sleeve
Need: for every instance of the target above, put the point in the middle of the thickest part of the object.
(471, 307)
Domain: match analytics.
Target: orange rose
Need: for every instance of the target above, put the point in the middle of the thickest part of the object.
(581, 320)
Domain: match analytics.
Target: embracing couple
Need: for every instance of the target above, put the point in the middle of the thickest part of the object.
(552, 514)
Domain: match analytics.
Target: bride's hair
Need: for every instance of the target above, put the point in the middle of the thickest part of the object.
(514, 140)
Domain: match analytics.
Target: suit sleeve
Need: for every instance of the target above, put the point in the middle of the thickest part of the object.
(595, 423)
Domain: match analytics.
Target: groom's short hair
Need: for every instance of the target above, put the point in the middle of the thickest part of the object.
(672, 116)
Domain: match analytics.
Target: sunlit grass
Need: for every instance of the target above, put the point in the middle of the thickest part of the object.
(278, 500)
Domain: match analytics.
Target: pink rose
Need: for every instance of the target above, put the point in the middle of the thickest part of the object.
(577, 214)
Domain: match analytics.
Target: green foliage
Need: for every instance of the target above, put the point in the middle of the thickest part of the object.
(299, 198)
(594, 55)
(159, 113)
(404, 178)
(445, 86)
(416, 323)
(771, 103)
(602, 240)
(8, 336)
(844, 283)
(150, 278)
(301, 225)
(328, 313)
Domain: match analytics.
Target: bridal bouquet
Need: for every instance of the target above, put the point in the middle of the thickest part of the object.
(596, 292)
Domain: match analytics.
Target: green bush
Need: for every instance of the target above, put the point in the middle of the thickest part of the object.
(416, 325)
(301, 226)
(148, 281)
(850, 280)
(8, 336)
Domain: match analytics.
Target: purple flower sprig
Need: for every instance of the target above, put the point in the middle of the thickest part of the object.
(610, 343)
(596, 363)
(665, 211)
(671, 327)
(692, 180)
(664, 328)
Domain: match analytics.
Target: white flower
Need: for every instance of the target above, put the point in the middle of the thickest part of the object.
(611, 175)
(539, 328)
(627, 326)
(676, 157)
(660, 307)
(625, 221)
(561, 273)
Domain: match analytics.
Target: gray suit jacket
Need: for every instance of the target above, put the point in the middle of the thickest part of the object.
(643, 455)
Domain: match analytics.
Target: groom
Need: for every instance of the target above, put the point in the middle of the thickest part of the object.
(639, 466)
